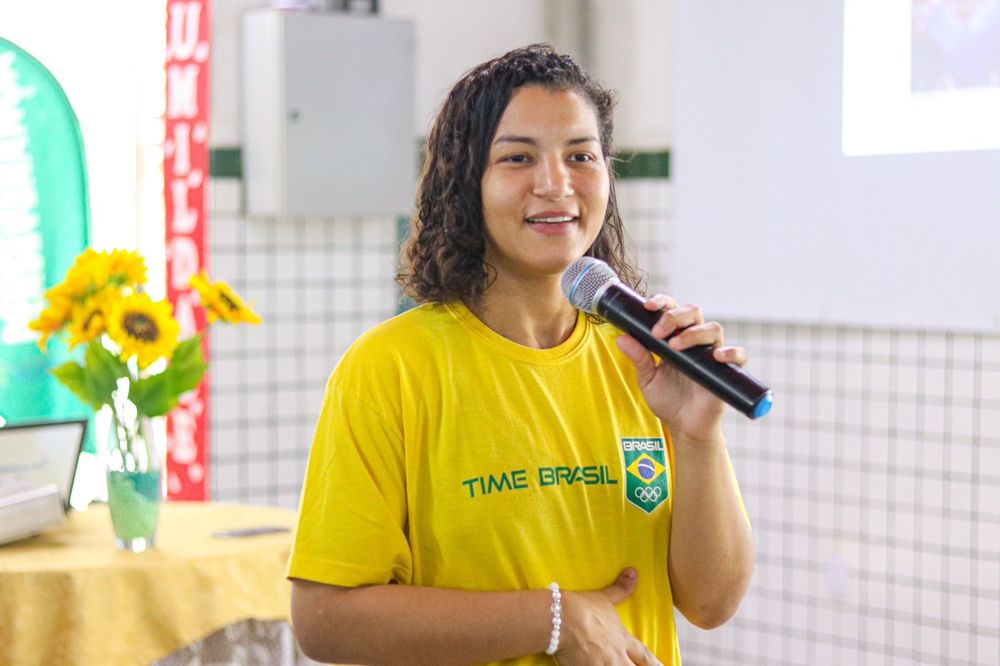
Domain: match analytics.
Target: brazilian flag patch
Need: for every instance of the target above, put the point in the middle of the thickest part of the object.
(646, 475)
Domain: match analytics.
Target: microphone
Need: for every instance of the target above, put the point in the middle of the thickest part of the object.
(591, 286)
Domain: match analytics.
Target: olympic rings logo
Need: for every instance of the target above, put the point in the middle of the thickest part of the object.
(648, 495)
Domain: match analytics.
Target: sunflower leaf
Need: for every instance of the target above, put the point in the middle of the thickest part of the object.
(154, 395)
(103, 369)
(74, 377)
(187, 367)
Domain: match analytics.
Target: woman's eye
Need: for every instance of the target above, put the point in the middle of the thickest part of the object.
(582, 157)
(515, 159)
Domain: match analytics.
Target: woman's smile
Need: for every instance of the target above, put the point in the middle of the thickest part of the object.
(553, 223)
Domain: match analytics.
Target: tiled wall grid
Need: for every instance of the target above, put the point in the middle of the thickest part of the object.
(874, 485)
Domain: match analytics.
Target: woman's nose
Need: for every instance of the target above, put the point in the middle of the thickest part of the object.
(552, 180)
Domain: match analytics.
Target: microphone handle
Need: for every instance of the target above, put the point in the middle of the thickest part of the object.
(730, 383)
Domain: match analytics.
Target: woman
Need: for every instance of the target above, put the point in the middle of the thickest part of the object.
(494, 440)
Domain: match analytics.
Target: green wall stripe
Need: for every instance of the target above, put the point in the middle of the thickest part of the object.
(225, 162)
(228, 163)
(642, 165)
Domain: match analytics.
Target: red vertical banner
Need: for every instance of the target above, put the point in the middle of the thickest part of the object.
(185, 172)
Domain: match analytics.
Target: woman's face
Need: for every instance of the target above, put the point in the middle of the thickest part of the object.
(545, 188)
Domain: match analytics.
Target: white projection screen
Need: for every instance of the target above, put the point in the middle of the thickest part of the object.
(839, 162)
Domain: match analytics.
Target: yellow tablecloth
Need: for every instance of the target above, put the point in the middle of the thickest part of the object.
(69, 597)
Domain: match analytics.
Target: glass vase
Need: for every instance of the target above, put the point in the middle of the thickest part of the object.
(134, 484)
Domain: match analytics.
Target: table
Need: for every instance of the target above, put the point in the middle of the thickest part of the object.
(69, 596)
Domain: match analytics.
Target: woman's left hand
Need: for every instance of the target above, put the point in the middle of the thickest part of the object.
(687, 408)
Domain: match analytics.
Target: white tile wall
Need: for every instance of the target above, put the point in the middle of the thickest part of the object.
(317, 283)
(874, 488)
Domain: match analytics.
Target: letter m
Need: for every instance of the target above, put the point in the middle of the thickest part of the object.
(182, 81)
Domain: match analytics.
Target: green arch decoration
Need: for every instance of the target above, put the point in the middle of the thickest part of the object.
(44, 219)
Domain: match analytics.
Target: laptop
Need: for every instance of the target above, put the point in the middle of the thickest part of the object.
(43, 453)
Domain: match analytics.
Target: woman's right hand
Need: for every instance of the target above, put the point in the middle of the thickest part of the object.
(593, 634)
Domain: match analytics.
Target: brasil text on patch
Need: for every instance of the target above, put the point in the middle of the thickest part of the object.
(646, 472)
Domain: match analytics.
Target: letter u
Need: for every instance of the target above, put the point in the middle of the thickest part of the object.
(185, 19)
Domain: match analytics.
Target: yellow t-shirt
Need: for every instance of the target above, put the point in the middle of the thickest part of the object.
(448, 456)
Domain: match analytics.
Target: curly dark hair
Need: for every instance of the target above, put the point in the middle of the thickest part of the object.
(444, 257)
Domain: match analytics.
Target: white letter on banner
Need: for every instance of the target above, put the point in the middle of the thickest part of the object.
(10, 115)
(185, 219)
(184, 313)
(182, 253)
(192, 402)
(182, 81)
(14, 146)
(183, 448)
(182, 148)
(185, 20)
(17, 222)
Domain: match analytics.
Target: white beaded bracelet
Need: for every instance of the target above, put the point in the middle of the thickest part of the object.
(556, 618)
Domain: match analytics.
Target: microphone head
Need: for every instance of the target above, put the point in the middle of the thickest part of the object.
(584, 279)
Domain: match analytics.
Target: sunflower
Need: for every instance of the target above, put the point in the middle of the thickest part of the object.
(221, 302)
(90, 317)
(143, 328)
(88, 274)
(55, 316)
(126, 267)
